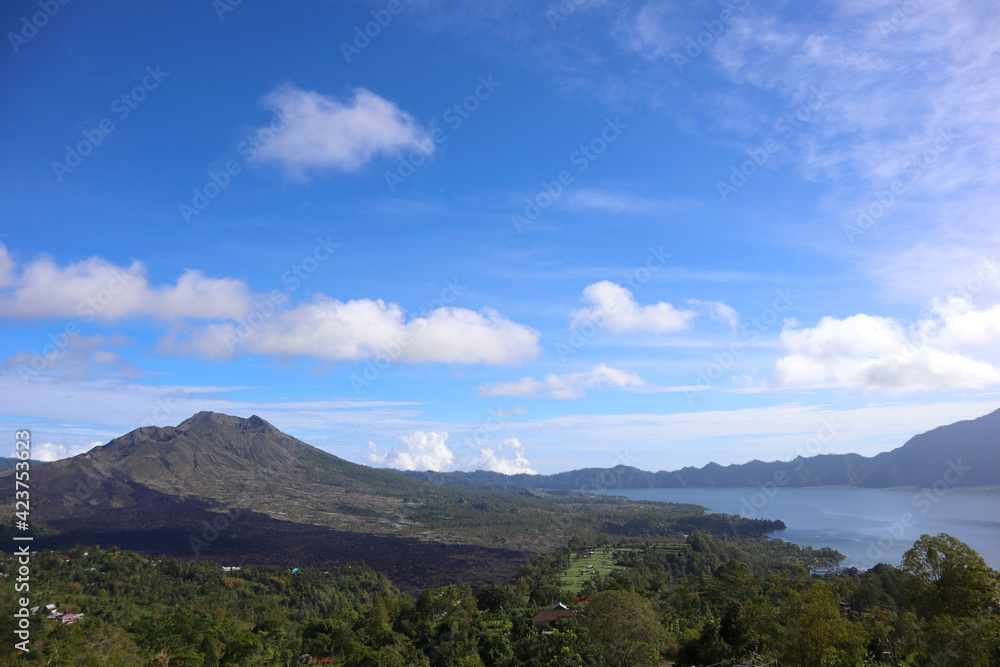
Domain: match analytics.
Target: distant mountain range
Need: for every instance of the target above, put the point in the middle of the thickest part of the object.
(241, 491)
(963, 454)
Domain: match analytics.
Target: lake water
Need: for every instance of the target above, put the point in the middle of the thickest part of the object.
(869, 526)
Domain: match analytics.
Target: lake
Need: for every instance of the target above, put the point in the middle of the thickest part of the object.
(869, 526)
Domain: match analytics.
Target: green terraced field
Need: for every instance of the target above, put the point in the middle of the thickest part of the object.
(587, 563)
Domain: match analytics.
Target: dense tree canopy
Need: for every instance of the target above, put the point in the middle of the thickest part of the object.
(711, 599)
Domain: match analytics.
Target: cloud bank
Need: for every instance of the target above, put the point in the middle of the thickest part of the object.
(364, 328)
(567, 386)
(422, 450)
(221, 318)
(948, 348)
(96, 289)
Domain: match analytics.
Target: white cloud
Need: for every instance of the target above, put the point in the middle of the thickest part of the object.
(97, 289)
(489, 459)
(569, 385)
(422, 450)
(943, 350)
(322, 132)
(615, 308)
(419, 450)
(364, 328)
(719, 311)
(50, 451)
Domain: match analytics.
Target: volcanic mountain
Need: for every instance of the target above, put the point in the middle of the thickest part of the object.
(222, 487)
(211, 457)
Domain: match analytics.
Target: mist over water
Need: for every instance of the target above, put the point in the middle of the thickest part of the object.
(869, 526)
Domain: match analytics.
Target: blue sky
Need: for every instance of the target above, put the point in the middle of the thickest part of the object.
(509, 235)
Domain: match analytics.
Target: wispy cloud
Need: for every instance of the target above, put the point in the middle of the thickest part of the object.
(612, 202)
(566, 386)
(75, 357)
(899, 78)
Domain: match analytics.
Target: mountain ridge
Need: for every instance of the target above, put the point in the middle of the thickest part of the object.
(972, 445)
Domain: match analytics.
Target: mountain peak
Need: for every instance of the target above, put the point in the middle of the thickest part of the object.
(208, 448)
(218, 420)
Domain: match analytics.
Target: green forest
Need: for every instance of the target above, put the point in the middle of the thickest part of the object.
(704, 600)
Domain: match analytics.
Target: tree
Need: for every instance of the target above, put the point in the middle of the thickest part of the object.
(627, 628)
(210, 652)
(546, 594)
(115, 647)
(708, 648)
(814, 630)
(955, 579)
(958, 594)
(496, 598)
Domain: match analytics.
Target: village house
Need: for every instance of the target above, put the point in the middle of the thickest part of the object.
(547, 619)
